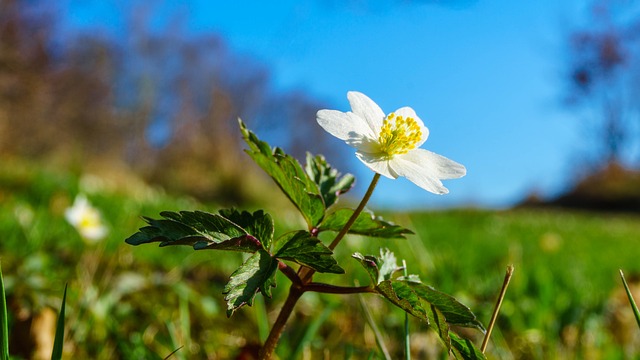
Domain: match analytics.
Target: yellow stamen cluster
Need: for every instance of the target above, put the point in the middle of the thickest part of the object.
(398, 135)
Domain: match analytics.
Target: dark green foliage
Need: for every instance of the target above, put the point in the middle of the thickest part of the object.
(464, 348)
(366, 224)
(256, 274)
(422, 301)
(327, 180)
(288, 175)
(207, 231)
(301, 247)
(454, 312)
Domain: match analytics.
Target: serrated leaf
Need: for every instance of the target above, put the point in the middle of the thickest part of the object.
(199, 229)
(328, 179)
(255, 274)
(439, 325)
(370, 264)
(288, 175)
(381, 268)
(366, 224)
(402, 296)
(259, 224)
(454, 312)
(304, 249)
(408, 293)
(465, 348)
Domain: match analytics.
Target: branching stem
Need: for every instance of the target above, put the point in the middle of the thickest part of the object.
(302, 281)
(333, 289)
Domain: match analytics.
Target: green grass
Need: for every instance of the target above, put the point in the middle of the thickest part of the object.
(145, 302)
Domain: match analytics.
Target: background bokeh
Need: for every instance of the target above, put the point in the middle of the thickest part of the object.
(134, 105)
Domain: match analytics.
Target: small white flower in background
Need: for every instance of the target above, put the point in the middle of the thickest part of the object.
(86, 219)
(389, 145)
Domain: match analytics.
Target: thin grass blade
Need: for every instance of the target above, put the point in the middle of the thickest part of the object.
(312, 329)
(4, 323)
(374, 327)
(407, 334)
(58, 343)
(631, 300)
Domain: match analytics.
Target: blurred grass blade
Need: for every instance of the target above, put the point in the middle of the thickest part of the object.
(631, 300)
(262, 318)
(376, 332)
(312, 329)
(407, 335)
(4, 323)
(58, 343)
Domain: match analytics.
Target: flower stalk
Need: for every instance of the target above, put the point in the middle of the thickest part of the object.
(302, 281)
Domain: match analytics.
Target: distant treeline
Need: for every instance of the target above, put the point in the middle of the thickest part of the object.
(163, 104)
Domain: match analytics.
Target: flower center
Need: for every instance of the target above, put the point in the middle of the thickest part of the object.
(398, 135)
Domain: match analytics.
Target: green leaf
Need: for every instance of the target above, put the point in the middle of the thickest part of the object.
(366, 224)
(465, 348)
(408, 293)
(4, 323)
(258, 273)
(454, 312)
(204, 230)
(58, 343)
(381, 268)
(288, 175)
(328, 179)
(305, 249)
(259, 224)
(439, 325)
(402, 296)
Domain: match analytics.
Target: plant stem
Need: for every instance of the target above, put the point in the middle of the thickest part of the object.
(496, 310)
(301, 282)
(306, 273)
(356, 213)
(276, 331)
(333, 289)
(290, 273)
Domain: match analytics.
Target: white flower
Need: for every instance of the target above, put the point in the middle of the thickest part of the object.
(86, 219)
(389, 145)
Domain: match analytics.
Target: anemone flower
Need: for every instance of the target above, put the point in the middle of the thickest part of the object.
(86, 219)
(390, 145)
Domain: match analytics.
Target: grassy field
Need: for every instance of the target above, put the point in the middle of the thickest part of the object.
(565, 299)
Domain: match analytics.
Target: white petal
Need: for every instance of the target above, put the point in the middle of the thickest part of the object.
(418, 175)
(367, 109)
(426, 169)
(345, 126)
(442, 167)
(378, 164)
(409, 112)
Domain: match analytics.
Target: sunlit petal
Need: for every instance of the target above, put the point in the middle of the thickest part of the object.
(364, 107)
(345, 126)
(418, 174)
(438, 165)
(377, 164)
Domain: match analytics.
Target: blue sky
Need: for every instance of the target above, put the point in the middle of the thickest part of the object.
(485, 76)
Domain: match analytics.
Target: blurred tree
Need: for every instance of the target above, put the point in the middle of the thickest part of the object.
(603, 69)
(158, 100)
